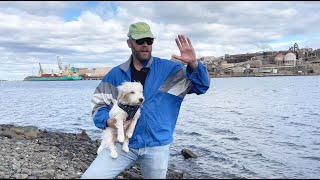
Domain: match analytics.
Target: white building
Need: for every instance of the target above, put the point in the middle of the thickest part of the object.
(290, 59)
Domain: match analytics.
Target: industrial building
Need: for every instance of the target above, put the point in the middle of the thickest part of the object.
(93, 74)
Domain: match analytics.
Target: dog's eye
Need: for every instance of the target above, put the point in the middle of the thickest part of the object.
(132, 92)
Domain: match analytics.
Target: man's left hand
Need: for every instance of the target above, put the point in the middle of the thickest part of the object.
(188, 55)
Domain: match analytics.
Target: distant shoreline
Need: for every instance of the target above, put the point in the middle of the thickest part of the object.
(226, 76)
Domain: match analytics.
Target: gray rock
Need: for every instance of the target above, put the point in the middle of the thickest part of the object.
(20, 156)
(132, 175)
(84, 136)
(15, 167)
(188, 154)
(36, 173)
(7, 133)
(31, 129)
(31, 135)
(32, 177)
(49, 173)
(61, 167)
(21, 176)
(175, 174)
(17, 130)
(26, 171)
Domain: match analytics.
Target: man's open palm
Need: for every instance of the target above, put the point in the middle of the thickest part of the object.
(188, 55)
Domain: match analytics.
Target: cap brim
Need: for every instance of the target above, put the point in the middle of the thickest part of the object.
(140, 36)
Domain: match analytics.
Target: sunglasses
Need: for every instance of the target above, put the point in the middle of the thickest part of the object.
(141, 41)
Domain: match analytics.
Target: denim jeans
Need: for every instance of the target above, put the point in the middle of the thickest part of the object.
(153, 162)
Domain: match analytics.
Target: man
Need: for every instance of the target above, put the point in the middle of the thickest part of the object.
(165, 85)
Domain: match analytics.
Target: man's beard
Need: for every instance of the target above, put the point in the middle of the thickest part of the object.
(138, 56)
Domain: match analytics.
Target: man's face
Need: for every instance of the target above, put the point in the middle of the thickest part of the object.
(141, 48)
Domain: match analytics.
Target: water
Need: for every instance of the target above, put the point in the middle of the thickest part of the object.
(250, 127)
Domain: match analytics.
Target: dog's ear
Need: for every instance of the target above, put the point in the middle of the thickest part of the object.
(120, 92)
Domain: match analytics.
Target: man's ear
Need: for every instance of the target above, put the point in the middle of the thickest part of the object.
(129, 43)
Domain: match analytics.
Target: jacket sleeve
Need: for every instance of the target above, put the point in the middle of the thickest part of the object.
(101, 104)
(199, 78)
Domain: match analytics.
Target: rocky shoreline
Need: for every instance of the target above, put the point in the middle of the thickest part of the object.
(30, 153)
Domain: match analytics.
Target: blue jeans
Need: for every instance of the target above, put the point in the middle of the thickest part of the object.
(153, 162)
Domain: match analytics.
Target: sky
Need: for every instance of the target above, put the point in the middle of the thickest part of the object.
(93, 34)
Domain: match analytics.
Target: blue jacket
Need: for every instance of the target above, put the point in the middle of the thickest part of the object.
(166, 85)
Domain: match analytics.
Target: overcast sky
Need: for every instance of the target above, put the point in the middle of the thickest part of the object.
(93, 34)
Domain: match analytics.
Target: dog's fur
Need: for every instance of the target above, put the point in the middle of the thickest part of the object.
(129, 93)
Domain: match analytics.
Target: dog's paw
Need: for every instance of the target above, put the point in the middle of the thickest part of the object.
(113, 154)
(129, 134)
(125, 149)
(120, 138)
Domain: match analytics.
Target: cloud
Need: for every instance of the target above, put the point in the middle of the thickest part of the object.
(93, 34)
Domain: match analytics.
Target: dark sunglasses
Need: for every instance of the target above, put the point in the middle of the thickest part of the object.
(141, 41)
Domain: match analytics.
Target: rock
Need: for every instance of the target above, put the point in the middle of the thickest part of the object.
(32, 177)
(61, 167)
(31, 135)
(7, 133)
(31, 128)
(26, 171)
(29, 132)
(119, 177)
(132, 175)
(17, 130)
(188, 153)
(49, 174)
(84, 136)
(21, 176)
(175, 174)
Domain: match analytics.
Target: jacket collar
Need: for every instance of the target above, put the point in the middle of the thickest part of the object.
(126, 65)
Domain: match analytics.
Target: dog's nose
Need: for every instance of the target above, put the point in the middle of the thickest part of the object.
(141, 99)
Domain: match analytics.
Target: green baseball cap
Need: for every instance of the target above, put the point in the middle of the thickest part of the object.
(140, 30)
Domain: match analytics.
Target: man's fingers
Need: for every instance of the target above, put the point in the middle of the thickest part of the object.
(176, 57)
(111, 123)
(189, 42)
(127, 123)
(178, 43)
(183, 40)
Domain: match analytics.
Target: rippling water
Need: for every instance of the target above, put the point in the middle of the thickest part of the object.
(250, 127)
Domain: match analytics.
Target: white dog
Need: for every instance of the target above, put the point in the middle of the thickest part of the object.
(127, 106)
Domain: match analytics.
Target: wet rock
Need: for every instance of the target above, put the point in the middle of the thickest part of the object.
(175, 174)
(84, 136)
(188, 153)
(132, 175)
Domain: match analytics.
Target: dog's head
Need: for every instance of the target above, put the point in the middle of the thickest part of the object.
(130, 93)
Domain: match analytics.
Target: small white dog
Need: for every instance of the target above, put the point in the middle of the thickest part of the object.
(127, 106)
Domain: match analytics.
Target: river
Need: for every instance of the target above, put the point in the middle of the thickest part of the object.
(243, 127)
